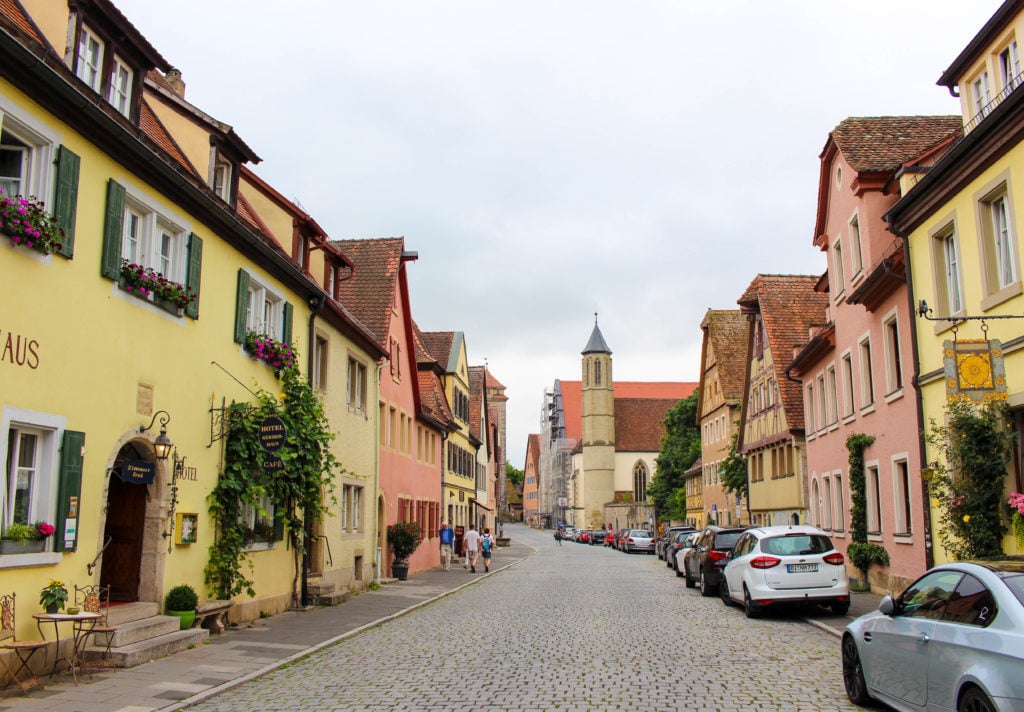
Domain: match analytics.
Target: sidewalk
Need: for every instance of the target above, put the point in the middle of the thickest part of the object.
(247, 651)
(860, 603)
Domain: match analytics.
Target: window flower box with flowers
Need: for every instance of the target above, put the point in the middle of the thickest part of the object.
(276, 354)
(20, 538)
(26, 223)
(148, 284)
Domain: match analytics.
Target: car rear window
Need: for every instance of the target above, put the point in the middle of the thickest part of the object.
(795, 544)
(640, 533)
(1015, 582)
(724, 540)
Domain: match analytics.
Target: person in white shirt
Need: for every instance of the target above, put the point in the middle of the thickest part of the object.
(472, 544)
(487, 548)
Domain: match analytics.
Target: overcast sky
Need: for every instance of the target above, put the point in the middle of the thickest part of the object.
(552, 159)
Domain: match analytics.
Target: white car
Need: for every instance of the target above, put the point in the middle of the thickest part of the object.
(786, 564)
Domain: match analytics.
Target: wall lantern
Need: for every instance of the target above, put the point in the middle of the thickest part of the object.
(162, 444)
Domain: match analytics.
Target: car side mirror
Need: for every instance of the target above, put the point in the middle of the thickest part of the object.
(728, 554)
(887, 606)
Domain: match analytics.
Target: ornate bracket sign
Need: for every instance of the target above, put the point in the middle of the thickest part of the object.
(272, 434)
(974, 370)
(137, 472)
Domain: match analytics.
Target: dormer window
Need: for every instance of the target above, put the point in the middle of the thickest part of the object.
(981, 95)
(222, 178)
(1009, 66)
(89, 62)
(120, 93)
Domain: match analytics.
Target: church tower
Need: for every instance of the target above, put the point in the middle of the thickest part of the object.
(598, 446)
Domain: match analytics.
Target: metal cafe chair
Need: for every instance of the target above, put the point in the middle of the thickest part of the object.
(23, 650)
(96, 599)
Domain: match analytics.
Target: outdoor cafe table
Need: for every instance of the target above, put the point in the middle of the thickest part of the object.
(81, 625)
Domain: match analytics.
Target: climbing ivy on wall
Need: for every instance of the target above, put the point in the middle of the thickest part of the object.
(298, 491)
(861, 552)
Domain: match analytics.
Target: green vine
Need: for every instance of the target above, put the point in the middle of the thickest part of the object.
(297, 491)
(966, 482)
(861, 552)
(733, 471)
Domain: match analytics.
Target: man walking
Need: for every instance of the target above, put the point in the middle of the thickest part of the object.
(447, 536)
(487, 547)
(472, 544)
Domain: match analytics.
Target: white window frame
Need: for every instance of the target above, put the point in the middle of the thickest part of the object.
(839, 509)
(838, 270)
(38, 149)
(831, 397)
(981, 94)
(856, 249)
(152, 238)
(951, 299)
(867, 378)
(820, 407)
(903, 494)
(357, 506)
(1002, 233)
(1009, 66)
(356, 388)
(43, 495)
(873, 496)
(89, 65)
(826, 501)
(264, 311)
(846, 369)
(321, 360)
(119, 94)
(249, 516)
(893, 354)
(812, 423)
(221, 172)
(815, 513)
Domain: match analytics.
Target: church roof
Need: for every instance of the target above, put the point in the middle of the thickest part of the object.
(638, 425)
(649, 393)
(596, 344)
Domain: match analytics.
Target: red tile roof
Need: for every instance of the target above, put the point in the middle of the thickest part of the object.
(726, 331)
(884, 143)
(370, 292)
(476, 400)
(439, 345)
(638, 425)
(789, 307)
(156, 132)
(651, 392)
(433, 403)
(12, 13)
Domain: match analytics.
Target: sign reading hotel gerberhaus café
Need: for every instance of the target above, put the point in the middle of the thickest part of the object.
(272, 435)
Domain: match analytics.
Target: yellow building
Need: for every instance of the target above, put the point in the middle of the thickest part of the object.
(97, 371)
(959, 219)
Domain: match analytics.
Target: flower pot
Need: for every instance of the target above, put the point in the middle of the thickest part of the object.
(52, 607)
(168, 306)
(22, 546)
(185, 618)
(400, 570)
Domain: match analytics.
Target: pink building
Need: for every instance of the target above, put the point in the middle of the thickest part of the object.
(412, 422)
(856, 371)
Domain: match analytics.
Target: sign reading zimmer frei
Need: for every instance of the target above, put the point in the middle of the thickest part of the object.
(272, 435)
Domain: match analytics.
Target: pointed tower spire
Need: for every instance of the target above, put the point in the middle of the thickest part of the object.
(596, 344)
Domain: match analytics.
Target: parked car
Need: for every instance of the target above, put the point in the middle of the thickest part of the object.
(953, 640)
(620, 536)
(778, 565)
(584, 536)
(679, 549)
(704, 565)
(638, 540)
(666, 536)
(597, 537)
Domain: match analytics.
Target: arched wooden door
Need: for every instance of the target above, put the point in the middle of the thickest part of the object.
(125, 525)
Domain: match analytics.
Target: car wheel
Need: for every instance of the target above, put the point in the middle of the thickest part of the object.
(749, 607)
(705, 587)
(974, 700)
(723, 591)
(840, 609)
(853, 673)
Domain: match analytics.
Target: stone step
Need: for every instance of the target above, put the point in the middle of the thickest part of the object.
(317, 588)
(146, 650)
(331, 599)
(135, 631)
(122, 613)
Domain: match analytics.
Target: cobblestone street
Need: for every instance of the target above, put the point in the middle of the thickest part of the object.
(573, 628)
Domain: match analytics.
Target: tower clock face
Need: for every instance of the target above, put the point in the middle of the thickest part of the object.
(975, 371)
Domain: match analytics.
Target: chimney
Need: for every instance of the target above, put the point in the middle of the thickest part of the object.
(173, 78)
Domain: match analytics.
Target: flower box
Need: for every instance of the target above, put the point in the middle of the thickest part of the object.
(25, 546)
(149, 285)
(276, 354)
(26, 223)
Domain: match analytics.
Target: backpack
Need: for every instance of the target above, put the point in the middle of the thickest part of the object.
(487, 544)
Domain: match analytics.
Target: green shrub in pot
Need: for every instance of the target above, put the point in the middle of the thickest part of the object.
(181, 601)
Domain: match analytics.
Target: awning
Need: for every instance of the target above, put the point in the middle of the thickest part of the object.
(475, 501)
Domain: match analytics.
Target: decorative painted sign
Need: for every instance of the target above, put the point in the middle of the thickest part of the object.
(137, 472)
(974, 370)
(272, 434)
(273, 464)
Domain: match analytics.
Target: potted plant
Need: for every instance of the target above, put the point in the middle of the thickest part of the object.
(26, 223)
(145, 282)
(20, 538)
(181, 601)
(276, 354)
(53, 596)
(403, 537)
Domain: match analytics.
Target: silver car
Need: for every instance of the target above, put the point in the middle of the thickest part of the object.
(638, 540)
(954, 640)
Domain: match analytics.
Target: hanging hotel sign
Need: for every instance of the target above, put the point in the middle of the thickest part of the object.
(272, 434)
(974, 370)
(137, 472)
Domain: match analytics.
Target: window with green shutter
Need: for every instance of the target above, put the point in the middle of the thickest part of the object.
(241, 306)
(194, 272)
(69, 505)
(113, 226)
(65, 204)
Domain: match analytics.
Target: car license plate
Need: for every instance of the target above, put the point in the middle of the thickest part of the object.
(801, 568)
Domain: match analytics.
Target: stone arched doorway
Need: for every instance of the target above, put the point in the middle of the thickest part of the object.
(134, 521)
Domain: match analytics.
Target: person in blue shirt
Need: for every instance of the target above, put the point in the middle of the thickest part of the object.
(487, 548)
(447, 536)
